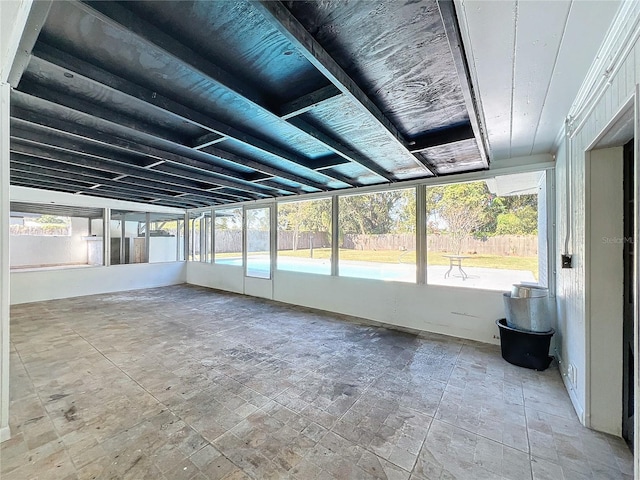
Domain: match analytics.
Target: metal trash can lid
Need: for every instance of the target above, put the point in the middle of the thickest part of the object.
(520, 290)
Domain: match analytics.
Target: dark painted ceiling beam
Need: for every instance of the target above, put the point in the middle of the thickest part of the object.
(177, 201)
(121, 18)
(29, 172)
(75, 188)
(207, 139)
(301, 105)
(29, 87)
(30, 164)
(288, 25)
(341, 149)
(61, 155)
(452, 30)
(106, 80)
(276, 172)
(61, 144)
(35, 21)
(233, 196)
(93, 136)
(442, 137)
(70, 187)
(66, 121)
(307, 102)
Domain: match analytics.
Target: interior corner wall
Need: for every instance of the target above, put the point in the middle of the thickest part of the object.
(613, 87)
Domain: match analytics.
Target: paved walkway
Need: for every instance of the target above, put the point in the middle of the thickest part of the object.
(484, 278)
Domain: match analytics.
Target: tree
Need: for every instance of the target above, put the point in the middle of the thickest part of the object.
(305, 216)
(372, 213)
(51, 219)
(524, 221)
(406, 211)
(460, 209)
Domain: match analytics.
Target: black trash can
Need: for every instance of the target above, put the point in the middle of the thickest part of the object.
(524, 348)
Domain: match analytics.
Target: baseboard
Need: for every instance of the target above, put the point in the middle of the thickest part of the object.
(573, 396)
(5, 434)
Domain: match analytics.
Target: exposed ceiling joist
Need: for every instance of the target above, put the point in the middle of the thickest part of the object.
(55, 209)
(240, 100)
(25, 172)
(442, 137)
(56, 62)
(289, 26)
(75, 188)
(104, 114)
(207, 139)
(62, 155)
(62, 171)
(450, 21)
(95, 137)
(122, 18)
(343, 150)
(311, 100)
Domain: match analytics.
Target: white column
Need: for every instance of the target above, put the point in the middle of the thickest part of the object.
(421, 234)
(4, 262)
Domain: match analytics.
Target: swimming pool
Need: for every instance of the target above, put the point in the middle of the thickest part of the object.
(259, 266)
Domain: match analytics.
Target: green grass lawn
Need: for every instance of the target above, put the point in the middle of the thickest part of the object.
(433, 258)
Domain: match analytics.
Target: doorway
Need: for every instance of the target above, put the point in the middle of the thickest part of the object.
(628, 308)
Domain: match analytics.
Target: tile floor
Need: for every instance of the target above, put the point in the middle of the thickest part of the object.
(188, 383)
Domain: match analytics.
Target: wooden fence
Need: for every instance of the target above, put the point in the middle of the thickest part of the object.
(512, 245)
(231, 240)
(402, 241)
(40, 230)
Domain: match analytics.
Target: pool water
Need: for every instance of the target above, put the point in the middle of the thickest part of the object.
(259, 266)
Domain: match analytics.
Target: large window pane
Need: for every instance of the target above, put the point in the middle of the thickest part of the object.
(304, 236)
(166, 237)
(128, 242)
(378, 236)
(259, 242)
(50, 237)
(207, 254)
(228, 236)
(484, 234)
(200, 236)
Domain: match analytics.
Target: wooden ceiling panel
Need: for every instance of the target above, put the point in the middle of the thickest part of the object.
(185, 103)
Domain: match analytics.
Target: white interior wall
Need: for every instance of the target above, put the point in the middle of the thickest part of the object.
(618, 66)
(224, 277)
(462, 312)
(162, 249)
(40, 285)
